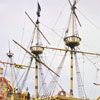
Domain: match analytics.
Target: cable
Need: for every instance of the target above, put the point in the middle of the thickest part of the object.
(68, 25)
(22, 36)
(81, 90)
(59, 16)
(5, 70)
(19, 80)
(89, 20)
(54, 81)
(33, 36)
(51, 29)
(90, 61)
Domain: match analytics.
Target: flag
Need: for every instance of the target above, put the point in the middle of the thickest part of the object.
(38, 10)
(75, 1)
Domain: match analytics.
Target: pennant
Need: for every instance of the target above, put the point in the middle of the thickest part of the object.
(38, 10)
(75, 1)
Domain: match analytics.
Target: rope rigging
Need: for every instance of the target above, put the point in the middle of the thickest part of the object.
(81, 90)
(57, 20)
(97, 74)
(52, 30)
(33, 36)
(17, 84)
(43, 85)
(45, 93)
(5, 69)
(68, 25)
(92, 23)
(49, 91)
(26, 75)
(75, 25)
(94, 64)
(54, 80)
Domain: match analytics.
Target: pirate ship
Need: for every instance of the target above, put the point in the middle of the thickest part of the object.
(72, 41)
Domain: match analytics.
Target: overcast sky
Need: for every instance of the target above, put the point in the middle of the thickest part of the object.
(13, 18)
(14, 24)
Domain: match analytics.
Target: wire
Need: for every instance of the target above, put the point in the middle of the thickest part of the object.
(52, 30)
(91, 61)
(81, 90)
(89, 20)
(54, 81)
(52, 61)
(5, 69)
(43, 86)
(22, 37)
(20, 79)
(68, 25)
(59, 16)
(33, 36)
(83, 68)
(26, 75)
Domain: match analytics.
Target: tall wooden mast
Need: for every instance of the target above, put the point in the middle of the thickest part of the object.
(36, 50)
(72, 42)
(10, 55)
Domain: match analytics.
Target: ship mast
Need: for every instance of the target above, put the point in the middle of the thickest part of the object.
(72, 42)
(10, 55)
(36, 50)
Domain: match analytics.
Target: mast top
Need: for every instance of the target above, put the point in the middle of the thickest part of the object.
(10, 54)
(36, 49)
(73, 40)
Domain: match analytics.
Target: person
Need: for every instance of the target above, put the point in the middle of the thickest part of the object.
(28, 96)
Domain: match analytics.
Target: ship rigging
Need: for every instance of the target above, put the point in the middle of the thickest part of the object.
(35, 52)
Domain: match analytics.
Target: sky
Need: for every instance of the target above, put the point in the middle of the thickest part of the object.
(14, 24)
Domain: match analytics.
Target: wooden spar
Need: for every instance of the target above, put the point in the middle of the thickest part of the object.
(36, 27)
(36, 58)
(74, 12)
(96, 84)
(89, 53)
(14, 64)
